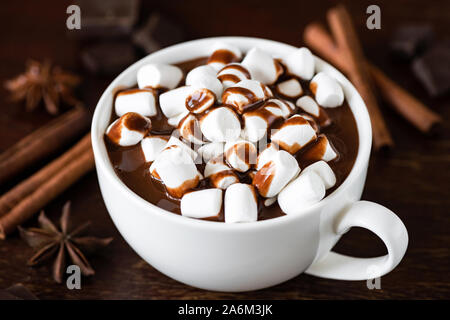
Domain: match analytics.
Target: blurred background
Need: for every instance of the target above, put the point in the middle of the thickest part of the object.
(412, 180)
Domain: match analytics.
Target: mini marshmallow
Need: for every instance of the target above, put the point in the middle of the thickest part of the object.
(303, 192)
(205, 77)
(290, 88)
(266, 155)
(270, 201)
(308, 105)
(189, 129)
(173, 102)
(240, 203)
(276, 174)
(222, 54)
(262, 66)
(327, 91)
(241, 155)
(232, 73)
(294, 134)
(256, 122)
(152, 146)
(176, 169)
(174, 141)
(211, 150)
(129, 129)
(220, 125)
(286, 107)
(136, 100)
(320, 150)
(175, 120)
(159, 76)
(311, 121)
(220, 175)
(201, 204)
(245, 93)
(200, 100)
(300, 63)
(324, 171)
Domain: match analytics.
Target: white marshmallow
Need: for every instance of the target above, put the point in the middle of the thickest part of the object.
(129, 129)
(256, 122)
(220, 175)
(294, 134)
(176, 169)
(159, 76)
(220, 125)
(136, 100)
(211, 150)
(324, 171)
(266, 155)
(174, 141)
(205, 77)
(276, 174)
(286, 107)
(152, 146)
(290, 88)
(262, 66)
(175, 120)
(320, 150)
(240, 203)
(222, 54)
(308, 105)
(245, 93)
(303, 192)
(189, 129)
(300, 63)
(327, 91)
(173, 102)
(270, 201)
(201, 204)
(232, 73)
(241, 155)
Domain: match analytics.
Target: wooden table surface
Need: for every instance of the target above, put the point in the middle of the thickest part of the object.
(413, 180)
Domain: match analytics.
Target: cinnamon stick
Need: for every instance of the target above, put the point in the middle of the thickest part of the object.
(418, 114)
(54, 185)
(26, 187)
(349, 46)
(42, 142)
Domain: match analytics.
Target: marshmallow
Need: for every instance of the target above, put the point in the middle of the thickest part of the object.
(175, 120)
(286, 107)
(201, 204)
(159, 76)
(136, 100)
(301, 193)
(324, 171)
(300, 63)
(262, 66)
(320, 150)
(273, 176)
(327, 91)
(220, 125)
(232, 73)
(189, 129)
(205, 77)
(311, 121)
(222, 54)
(256, 122)
(308, 105)
(240, 203)
(173, 102)
(290, 88)
(129, 129)
(293, 134)
(270, 201)
(176, 169)
(245, 93)
(241, 155)
(220, 175)
(152, 146)
(266, 155)
(174, 141)
(211, 150)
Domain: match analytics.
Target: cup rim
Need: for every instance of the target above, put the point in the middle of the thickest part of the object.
(353, 98)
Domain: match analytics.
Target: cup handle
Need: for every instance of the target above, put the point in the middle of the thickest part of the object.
(381, 221)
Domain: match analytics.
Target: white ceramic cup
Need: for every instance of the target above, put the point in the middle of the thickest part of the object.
(249, 256)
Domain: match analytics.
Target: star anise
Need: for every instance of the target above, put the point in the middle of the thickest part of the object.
(52, 242)
(41, 81)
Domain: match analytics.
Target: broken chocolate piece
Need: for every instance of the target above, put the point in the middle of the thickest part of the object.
(411, 40)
